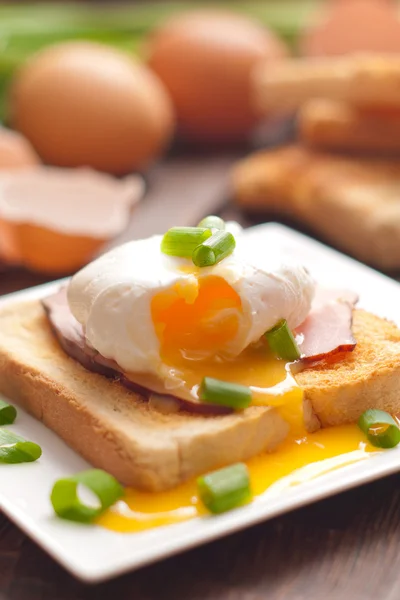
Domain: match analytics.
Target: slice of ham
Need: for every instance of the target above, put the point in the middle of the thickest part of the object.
(70, 335)
(327, 329)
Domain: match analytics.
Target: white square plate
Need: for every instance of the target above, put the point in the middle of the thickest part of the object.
(95, 554)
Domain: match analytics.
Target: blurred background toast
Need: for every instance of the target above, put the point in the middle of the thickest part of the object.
(340, 179)
(352, 203)
(363, 80)
(327, 124)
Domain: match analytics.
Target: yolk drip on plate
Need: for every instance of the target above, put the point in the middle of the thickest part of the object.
(192, 321)
(297, 460)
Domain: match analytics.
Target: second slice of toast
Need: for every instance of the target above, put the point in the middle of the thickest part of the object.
(331, 125)
(350, 202)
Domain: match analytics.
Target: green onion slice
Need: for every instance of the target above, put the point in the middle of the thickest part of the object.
(212, 222)
(380, 428)
(225, 489)
(67, 504)
(14, 449)
(8, 413)
(181, 241)
(224, 393)
(214, 249)
(282, 343)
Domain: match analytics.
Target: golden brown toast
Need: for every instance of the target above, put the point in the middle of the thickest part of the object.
(334, 125)
(112, 427)
(369, 377)
(352, 202)
(360, 79)
(116, 430)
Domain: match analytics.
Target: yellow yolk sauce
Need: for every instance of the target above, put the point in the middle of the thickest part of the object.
(295, 461)
(197, 317)
(192, 320)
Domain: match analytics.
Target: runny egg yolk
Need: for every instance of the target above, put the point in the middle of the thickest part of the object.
(195, 320)
(195, 317)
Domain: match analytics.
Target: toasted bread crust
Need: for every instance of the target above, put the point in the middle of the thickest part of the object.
(333, 125)
(340, 391)
(361, 80)
(349, 201)
(111, 427)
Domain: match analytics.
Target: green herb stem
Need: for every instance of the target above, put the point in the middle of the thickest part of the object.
(67, 504)
(214, 249)
(282, 342)
(225, 489)
(224, 393)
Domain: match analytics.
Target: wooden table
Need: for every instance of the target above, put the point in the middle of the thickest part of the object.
(345, 548)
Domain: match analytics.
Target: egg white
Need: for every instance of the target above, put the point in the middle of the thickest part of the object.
(111, 298)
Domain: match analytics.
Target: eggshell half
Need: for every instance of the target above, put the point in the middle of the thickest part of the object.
(54, 220)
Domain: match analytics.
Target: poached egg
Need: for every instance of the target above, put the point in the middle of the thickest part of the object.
(167, 323)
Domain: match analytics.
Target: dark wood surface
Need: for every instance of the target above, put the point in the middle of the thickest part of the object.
(344, 548)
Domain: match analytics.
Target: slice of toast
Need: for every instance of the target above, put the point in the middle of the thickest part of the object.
(363, 80)
(118, 431)
(351, 202)
(333, 125)
(113, 428)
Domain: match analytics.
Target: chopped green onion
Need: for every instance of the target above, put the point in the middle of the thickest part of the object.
(8, 413)
(224, 393)
(215, 249)
(380, 428)
(65, 500)
(181, 241)
(282, 343)
(212, 222)
(225, 489)
(14, 449)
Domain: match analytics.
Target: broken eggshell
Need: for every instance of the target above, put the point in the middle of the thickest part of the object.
(54, 220)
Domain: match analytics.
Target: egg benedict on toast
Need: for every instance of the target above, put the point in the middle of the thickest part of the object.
(172, 357)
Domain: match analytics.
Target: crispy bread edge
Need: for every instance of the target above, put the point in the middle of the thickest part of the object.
(340, 391)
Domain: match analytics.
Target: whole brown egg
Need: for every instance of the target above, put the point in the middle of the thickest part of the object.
(84, 104)
(205, 59)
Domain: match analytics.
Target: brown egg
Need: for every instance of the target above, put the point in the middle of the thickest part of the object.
(84, 104)
(346, 26)
(15, 151)
(205, 60)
